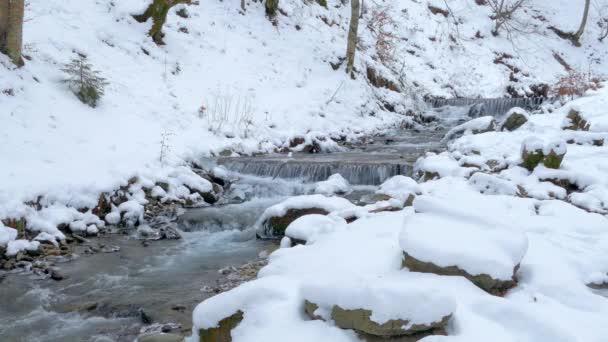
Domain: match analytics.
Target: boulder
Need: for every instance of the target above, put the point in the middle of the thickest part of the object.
(221, 333)
(442, 244)
(514, 119)
(404, 307)
(535, 152)
(276, 225)
(555, 153)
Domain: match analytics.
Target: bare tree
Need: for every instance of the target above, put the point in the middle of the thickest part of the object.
(504, 15)
(11, 29)
(158, 11)
(575, 37)
(581, 29)
(351, 46)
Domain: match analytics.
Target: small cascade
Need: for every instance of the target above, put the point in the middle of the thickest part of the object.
(359, 173)
(495, 107)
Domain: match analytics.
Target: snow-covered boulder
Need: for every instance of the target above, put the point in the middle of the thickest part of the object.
(492, 185)
(456, 246)
(433, 166)
(515, 118)
(476, 126)
(401, 188)
(391, 308)
(309, 228)
(275, 219)
(335, 184)
(534, 151)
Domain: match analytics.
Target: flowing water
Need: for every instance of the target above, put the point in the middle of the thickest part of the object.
(107, 296)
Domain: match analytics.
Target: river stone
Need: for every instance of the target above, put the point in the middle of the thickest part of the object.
(575, 121)
(161, 337)
(275, 226)
(514, 120)
(396, 330)
(221, 333)
(485, 282)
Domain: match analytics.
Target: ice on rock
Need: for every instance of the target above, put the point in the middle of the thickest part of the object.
(450, 245)
(309, 228)
(335, 184)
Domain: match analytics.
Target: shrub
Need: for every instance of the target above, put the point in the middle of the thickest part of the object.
(575, 84)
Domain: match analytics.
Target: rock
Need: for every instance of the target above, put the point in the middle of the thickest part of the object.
(9, 265)
(161, 337)
(557, 151)
(145, 318)
(484, 281)
(56, 275)
(275, 226)
(104, 206)
(222, 332)
(532, 153)
(515, 118)
(575, 121)
(360, 321)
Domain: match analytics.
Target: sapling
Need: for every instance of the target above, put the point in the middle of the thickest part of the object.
(84, 81)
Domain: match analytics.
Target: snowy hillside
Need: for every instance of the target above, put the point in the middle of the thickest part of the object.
(53, 144)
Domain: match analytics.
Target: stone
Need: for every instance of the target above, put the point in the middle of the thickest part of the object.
(514, 120)
(483, 281)
(161, 337)
(575, 121)
(56, 275)
(531, 158)
(397, 330)
(221, 333)
(275, 226)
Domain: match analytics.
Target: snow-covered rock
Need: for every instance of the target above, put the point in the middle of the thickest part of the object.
(476, 126)
(401, 188)
(308, 228)
(335, 184)
(15, 246)
(274, 220)
(513, 119)
(448, 245)
(389, 308)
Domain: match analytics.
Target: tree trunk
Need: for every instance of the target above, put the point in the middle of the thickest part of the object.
(11, 29)
(351, 46)
(581, 29)
(271, 8)
(158, 11)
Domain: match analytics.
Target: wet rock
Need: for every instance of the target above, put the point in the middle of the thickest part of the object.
(161, 337)
(9, 265)
(56, 275)
(178, 308)
(575, 121)
(515, 118)
(275, 226)
(145, 317)
(222, 332)
(360, 321)
(484, 281)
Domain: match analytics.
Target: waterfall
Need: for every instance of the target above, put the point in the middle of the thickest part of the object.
(359, 173)
(495, 107)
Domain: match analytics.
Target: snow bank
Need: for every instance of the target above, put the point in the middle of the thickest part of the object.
(15, 246)
(7, 234)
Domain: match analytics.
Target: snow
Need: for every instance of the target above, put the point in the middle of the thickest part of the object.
(335, 184)
(15, 246)
(478, 125)
(7, 235)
